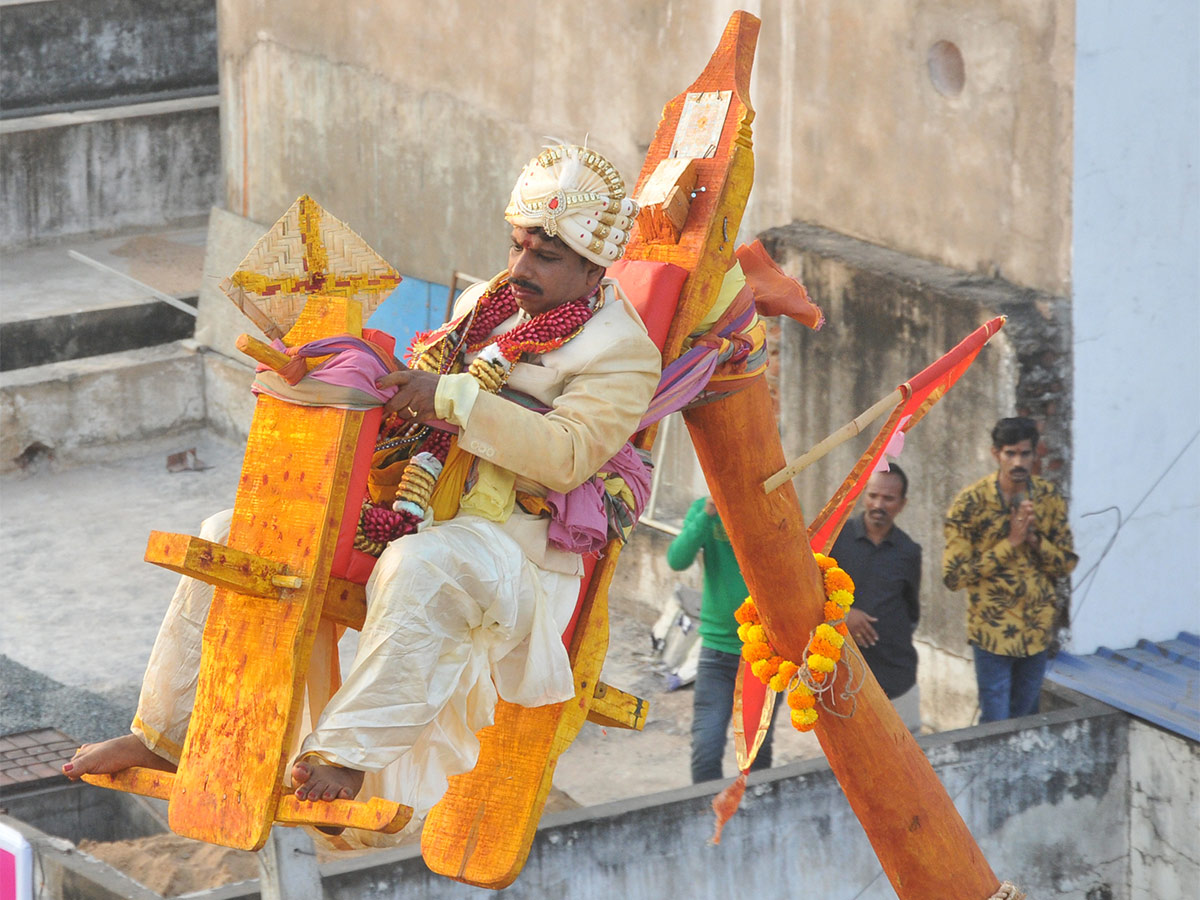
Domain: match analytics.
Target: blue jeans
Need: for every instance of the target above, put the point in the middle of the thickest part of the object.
(712, 710)
(1009, 686)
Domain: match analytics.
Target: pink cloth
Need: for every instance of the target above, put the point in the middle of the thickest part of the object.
(355, 364)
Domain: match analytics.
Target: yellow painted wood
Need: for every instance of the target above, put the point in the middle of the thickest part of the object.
(262, 352)
(255, 655)
(613, 708)
(371, 815)
(137, 780)
(219, 565)
(345, 603)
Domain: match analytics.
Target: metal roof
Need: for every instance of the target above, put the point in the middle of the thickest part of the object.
(1155, 681)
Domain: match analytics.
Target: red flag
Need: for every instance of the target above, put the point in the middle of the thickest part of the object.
(919, 394)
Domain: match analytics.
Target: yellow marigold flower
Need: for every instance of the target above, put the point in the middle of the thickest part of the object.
(801, 698)
(804, 719)
(844, 599)
(819, 663)
(764, 669)
(837, 580)
(747, 612)
(828, 634)
(756, 651)
(824, 562)
(743, 630)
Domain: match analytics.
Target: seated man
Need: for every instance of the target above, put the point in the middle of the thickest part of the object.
(472, 608)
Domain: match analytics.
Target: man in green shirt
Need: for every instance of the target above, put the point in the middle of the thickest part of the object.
(720, 651)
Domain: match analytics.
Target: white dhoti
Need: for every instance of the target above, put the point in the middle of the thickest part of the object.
(457, 615)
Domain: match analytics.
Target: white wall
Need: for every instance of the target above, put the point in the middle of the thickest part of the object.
(1136, 282)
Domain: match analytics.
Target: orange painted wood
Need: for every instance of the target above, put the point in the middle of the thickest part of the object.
(255, 654)
(371, 815)
(345, 603)
(922, 842)
(705, 248)
(216, 564)
(137, 780)
(481, 831)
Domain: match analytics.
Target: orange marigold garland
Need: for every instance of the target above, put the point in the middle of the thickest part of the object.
(822, 654)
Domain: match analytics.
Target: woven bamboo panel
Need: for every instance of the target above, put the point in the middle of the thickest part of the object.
(307, 252)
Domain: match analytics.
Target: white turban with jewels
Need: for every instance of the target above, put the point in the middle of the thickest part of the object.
(577, 195)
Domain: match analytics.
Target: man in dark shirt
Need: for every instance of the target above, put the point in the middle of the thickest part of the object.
(885, 564)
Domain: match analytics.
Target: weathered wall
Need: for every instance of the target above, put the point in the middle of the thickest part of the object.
(888, 317)
(1031, 796)
(99, 170)
(68, 54)
(1164, 813)
(411, 124)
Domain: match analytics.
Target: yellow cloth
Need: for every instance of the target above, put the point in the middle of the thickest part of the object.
(732, 285)
(447, 493)
(493, 495)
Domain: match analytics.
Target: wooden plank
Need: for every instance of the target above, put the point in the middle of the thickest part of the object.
(137, 780)
(219, 565)
(255, 655)
(613, 708)
(374, 814)
(345, 603)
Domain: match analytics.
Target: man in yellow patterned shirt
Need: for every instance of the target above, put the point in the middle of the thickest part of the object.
(1007, 541)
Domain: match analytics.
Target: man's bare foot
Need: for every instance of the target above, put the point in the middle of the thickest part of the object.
(114, 755)
(317, 782)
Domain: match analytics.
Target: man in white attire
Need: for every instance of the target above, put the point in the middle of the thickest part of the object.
(471, 608)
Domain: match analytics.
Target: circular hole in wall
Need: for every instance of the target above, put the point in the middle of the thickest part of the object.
(946, 68)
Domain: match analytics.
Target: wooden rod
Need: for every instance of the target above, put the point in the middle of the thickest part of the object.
(850, 429)
(262, 352)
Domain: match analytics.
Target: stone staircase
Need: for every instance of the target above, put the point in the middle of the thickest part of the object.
(109, 165)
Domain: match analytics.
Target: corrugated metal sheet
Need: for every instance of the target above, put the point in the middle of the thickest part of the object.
(1158, 682)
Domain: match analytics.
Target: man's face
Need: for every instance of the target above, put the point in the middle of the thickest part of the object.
(1016, 461)
(883, 500)
(545, 272)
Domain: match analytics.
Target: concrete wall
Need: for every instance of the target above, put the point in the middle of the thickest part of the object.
(70, 54)
(1031, 793)
(68, 406)
(412, 124)
(142, 165)
(1164, 813)
(1137, 325)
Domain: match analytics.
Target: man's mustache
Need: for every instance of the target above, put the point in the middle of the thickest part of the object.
(525, 285)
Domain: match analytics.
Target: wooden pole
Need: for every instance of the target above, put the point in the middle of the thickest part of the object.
(922, 842)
